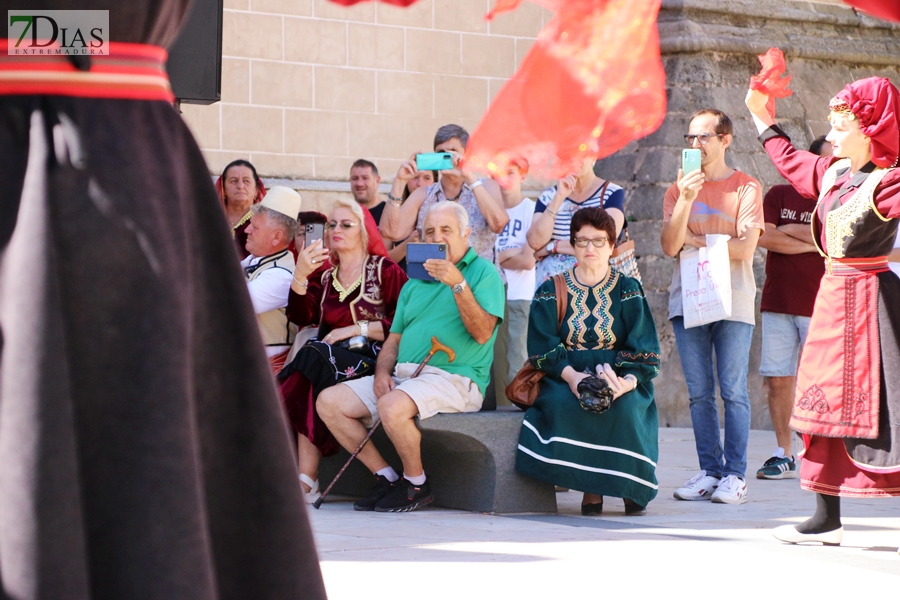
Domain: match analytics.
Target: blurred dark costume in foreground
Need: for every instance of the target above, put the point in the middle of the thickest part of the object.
(143, 453)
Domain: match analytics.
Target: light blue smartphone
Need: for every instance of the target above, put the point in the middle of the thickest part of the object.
(434, 161)
(690, 160)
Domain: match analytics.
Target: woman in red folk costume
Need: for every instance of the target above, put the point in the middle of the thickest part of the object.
(348, 288)
(239, 188)
(846, 407)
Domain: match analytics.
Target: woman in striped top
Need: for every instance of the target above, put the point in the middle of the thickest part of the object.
(549, 232)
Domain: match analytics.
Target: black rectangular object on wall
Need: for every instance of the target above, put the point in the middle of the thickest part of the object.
(195, 59)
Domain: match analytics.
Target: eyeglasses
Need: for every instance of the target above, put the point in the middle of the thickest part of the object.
(343, 225)
(598, 242)
(703, 138)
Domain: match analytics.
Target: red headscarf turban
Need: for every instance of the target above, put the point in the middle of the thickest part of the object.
(876, 103)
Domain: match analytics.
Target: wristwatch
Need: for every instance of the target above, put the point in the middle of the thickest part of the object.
(459, 287)
(363, 328)
(551, 247)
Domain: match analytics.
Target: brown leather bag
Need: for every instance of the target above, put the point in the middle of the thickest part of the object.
(523, 390)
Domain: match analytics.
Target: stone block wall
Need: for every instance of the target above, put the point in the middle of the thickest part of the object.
(309, 86)
(709, 52)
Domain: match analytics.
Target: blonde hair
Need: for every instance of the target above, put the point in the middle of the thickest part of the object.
(354, 207)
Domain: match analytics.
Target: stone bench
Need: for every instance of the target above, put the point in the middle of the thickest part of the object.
(470, 461)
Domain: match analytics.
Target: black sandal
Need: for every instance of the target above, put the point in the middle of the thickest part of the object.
(633, 509)
(592, 509)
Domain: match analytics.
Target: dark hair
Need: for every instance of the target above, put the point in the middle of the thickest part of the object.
(311, 216)
(239, 163)
(448, 132)
(597, 218)
(364, 163)
(723, 123)
(406, 191)
(816, 146)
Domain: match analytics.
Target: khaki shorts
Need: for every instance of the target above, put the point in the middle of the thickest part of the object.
(434, 391)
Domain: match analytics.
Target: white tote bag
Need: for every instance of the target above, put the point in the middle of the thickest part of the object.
(706, 282)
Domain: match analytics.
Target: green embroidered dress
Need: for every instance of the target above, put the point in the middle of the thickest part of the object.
(614, 453)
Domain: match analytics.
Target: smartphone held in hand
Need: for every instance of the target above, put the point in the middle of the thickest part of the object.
(314, 231)
(417, 254)
(434, 161)
(690, 160)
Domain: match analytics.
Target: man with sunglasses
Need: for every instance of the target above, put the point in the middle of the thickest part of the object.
(715, 199)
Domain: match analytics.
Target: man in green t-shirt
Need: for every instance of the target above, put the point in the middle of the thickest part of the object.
(462, 309)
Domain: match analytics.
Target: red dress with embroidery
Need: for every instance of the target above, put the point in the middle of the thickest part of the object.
(319, 365)
(847, 400)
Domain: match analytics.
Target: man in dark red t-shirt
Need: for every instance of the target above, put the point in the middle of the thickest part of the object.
(793, 271)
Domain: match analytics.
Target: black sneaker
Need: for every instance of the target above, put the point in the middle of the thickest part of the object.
(405, 497)
(382, 488)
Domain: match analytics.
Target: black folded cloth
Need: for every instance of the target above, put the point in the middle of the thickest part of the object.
(594, 394)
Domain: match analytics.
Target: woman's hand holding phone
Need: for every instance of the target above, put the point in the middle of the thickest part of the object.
(408, 169)
(309, 259)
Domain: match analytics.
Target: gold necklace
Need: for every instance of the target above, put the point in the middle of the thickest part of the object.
(340, 289)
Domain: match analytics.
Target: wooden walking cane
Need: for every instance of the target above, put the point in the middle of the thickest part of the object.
(436, 347)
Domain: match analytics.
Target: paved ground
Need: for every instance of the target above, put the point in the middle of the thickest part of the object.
(678, 550)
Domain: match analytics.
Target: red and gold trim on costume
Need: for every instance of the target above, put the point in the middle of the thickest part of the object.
(838, 383)
(129, 72)
(827, 468)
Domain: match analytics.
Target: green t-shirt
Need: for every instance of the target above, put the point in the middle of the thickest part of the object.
(428, 308)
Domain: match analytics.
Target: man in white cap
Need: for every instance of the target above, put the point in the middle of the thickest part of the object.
(270, 268)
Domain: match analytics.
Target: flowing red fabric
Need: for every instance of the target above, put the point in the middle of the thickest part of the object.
(769, 80)
(591, 83)
(883, 9)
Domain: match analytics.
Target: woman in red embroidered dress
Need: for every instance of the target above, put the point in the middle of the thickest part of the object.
(356, 296)
(846, 407)
(239, 188)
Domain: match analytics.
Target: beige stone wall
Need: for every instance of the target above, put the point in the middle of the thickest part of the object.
(309, 86)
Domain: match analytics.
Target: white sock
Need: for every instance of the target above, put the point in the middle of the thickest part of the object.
(415, 480)
(779, 453)
(388, 473)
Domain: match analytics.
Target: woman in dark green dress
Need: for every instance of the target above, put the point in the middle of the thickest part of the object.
(608, 332)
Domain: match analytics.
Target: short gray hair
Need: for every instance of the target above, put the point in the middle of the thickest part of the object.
(448, 132)
(462, 217)
(289, 226)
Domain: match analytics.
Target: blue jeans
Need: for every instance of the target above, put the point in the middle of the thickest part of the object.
(731, 342)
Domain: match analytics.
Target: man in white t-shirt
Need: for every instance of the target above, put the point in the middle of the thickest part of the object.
(516, 258)
(270, 269)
